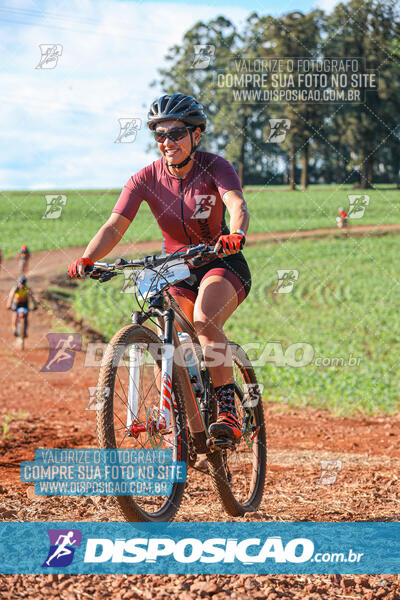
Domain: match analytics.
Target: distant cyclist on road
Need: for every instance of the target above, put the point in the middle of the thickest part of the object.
(24, 256)
(342, 217)
(19, 297)
(188, 192)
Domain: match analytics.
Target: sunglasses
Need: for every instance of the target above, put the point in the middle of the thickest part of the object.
(175, 134)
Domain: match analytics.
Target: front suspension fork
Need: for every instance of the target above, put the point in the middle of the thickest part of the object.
(171, 343)
(162, 420)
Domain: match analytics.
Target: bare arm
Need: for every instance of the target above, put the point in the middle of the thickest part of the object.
(107, 237)
(237, 208)
(10, 297)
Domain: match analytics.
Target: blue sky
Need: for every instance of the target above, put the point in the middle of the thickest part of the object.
(260, 6)
(59, 125)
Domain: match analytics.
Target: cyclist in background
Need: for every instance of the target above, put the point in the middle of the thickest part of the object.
(188, 192)
(24, 256)
(19, 297)
(341, 219)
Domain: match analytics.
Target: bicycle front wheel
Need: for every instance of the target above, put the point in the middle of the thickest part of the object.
(238, 475)
(112, 411)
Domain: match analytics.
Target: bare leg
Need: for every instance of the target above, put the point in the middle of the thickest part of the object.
(215, 302)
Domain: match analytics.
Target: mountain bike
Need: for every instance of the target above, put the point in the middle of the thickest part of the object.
(149, 396)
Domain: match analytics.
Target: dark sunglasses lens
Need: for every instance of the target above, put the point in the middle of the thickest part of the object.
(177, 134)
(174, 134)
(160, 137)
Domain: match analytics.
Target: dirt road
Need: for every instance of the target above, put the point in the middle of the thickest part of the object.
(40, 409)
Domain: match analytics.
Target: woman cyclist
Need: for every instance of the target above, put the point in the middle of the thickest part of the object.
(188, 191)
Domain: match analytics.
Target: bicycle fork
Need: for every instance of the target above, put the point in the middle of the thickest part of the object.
(161, 421)
(155, 422)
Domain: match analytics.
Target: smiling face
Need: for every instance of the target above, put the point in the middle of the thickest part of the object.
(177, 151)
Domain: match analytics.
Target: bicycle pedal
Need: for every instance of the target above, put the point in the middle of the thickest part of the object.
(220, 443)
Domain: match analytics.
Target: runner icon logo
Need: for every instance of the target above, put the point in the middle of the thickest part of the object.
(62, 542)
(62, 351)
(128, 129)
(279, 129)
(357, 205)
(204, 204)
(50, 54)
(329, 471)
(286, 281)
(203, 53)
(54, 205)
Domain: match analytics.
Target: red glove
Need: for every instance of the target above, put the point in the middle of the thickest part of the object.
(73, 267)
(230, 244)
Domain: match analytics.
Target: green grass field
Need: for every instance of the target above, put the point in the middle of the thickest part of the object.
(344, 306)
(276, 209)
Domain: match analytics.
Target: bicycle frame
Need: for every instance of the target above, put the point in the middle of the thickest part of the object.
(170, 320)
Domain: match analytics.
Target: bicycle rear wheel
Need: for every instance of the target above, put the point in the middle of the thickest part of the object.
(112, 431)
(238, 475)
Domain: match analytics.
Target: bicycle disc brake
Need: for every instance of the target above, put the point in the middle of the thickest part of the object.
(155, 428)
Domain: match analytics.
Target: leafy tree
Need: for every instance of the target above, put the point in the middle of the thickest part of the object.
(325, 140)
(295, 35)
(366, 29)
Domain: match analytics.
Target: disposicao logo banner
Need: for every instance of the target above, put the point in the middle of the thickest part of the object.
(253, 548)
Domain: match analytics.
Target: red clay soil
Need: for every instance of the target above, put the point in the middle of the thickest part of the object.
(350, 230)
(48, 410)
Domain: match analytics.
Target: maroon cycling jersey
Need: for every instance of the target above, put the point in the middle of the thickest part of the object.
(188, 210)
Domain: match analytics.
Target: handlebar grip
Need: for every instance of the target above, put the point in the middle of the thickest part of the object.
(197, 261)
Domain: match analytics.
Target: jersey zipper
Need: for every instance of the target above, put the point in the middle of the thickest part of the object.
(182, 217)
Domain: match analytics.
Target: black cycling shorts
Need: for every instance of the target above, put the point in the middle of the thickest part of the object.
(233, 267)
(16, 305)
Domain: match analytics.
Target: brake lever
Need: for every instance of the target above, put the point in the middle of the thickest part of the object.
(203, 259)
(99, 274)
(197, 261)
(106, 276)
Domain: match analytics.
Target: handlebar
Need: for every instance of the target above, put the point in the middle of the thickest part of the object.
(105, 271)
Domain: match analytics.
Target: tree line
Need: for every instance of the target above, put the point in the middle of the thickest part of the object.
(322, 142)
